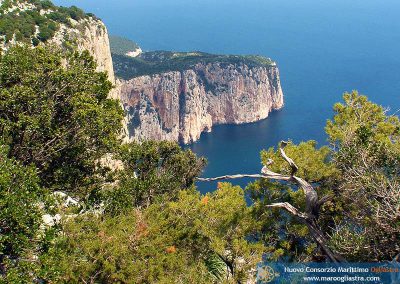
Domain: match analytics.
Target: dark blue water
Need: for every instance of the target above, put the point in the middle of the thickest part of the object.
(323, 48)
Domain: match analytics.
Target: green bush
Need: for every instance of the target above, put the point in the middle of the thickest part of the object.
(23, 23)
(20, 213)
(168, 242)
(152, 170)
(55, 114)
(21, 208)
(35, 41)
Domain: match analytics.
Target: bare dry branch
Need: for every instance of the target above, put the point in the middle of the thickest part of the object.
(291, 163)
(313, 204)
(231, 177)
(290, 208)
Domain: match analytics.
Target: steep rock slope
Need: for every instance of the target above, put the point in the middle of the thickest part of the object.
(167, 95)
(89, 34)
(37, 22)
(202, 91)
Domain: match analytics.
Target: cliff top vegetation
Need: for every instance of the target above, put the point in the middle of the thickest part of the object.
(145, 221)
(121, 46)
(35, 21)
(154, 62)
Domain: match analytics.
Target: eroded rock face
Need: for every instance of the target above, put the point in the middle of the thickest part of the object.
(179, 106)
(91, 35)
(96, 40)
(85, 32)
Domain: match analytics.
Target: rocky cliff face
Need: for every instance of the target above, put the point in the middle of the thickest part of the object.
(96, 40)
(91, 35)
(167, 95)
(180, 105)
(64, 27)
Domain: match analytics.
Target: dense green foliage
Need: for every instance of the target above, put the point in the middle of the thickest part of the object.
(169, 242)
(152, 170)
(38, 23)
(121, 46)
(154, 62)
(314, 164)
(368, 157)
(19, 210)
(360, 169)
(22, 204)
(138, 217)
(55, 114)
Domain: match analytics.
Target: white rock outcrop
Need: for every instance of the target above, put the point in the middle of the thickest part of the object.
(179, 106)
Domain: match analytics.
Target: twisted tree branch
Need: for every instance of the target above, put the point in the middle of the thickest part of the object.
(313, 204)
(291, 163)
(290, 208)
(231, 177)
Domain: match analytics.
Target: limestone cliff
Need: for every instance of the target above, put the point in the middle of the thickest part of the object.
(37, 23)
(89, 34)
(166, 95)
(180, 105)
(41, 22)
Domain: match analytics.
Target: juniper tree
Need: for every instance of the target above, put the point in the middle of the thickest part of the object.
(55, 114)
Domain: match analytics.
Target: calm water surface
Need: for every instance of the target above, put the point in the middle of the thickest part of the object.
(323, 48)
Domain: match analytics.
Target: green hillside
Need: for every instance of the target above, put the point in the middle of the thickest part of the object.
(36, 22)
(154, 62)
(121, 46)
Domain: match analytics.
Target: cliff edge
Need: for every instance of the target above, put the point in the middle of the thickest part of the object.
(37, 22)
(177, 96)
(166, 95)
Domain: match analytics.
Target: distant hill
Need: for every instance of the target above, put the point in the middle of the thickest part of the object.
(35, 21)
(121, 46)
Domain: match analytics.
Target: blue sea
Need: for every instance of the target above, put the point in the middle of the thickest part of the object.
(323, 48)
